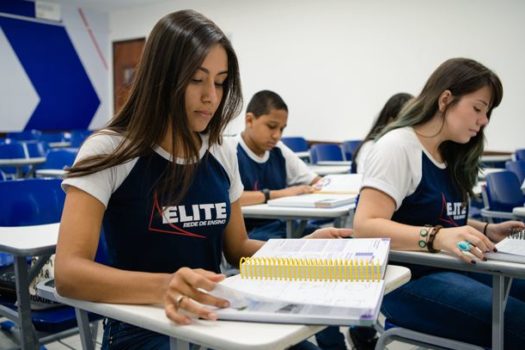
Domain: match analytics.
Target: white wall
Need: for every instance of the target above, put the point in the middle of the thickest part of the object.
(335, 62)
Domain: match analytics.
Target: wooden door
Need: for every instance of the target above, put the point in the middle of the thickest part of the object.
(126, 56)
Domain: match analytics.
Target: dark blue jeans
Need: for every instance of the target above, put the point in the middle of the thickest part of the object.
(119, 336)
(458, 306)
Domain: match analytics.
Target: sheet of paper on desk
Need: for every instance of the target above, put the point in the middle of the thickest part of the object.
(509, 249)
(339, 183)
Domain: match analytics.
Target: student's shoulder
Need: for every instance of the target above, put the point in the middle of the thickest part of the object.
(402, 138)
(102, 142)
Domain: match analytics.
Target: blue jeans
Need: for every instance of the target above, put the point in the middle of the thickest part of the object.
(456, 305)
(119, 336)
(277, 229)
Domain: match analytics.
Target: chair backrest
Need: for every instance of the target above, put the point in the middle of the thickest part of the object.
(36, 149)
(503, 192)
(53, 137)
(13, 150)
(349, 148)
(295, 143)
(517, 167)
(520, 154)
(59, 158)
(325, 152)
(25, 135)
(30, 202)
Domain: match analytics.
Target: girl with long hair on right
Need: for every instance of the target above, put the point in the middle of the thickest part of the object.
(415, 190)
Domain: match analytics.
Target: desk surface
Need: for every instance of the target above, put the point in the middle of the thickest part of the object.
(22, 161)
(214, 334)
(449, 261)
(29, 240)
(264, 211)
(56, 173)
(496, 158)
(519, 211)
(323, 170)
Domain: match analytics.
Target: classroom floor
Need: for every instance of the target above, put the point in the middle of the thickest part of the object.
(73, 342)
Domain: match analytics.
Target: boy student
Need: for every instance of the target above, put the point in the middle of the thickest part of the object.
(268, 168)
(271, 170)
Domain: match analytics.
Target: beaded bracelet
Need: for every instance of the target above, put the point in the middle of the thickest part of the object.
(423, 234)
(432, 237)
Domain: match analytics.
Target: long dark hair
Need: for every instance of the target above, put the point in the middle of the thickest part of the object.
(388, 114)
(461, 76)
(175, 49)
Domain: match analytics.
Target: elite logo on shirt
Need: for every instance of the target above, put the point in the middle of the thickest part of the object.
(454, 211)
(176, 219)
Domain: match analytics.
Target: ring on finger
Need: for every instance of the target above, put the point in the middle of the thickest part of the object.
(179, 300)
(464, 246)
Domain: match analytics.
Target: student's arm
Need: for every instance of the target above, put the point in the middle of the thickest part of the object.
(236, 241)
(257, 197)
(78, 276)
(373, 219)
(497, 232)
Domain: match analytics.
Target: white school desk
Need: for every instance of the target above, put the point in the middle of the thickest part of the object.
(19, 163)
(323, 170)
(54, 173)
(21, 242)
(289, 214)
(346, 163)
(495, 158)
(519, 212)
(228, 335)
(502, 274)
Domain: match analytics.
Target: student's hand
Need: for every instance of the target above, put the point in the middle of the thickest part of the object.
(331, 232)
(496, 232)
(296, 190)
(448, 238)
(182, 293)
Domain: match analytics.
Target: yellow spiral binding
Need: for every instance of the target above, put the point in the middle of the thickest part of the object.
(309, 269)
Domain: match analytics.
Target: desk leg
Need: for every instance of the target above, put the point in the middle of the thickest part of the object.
(177, 344)
(86, 338)
(298, 231)
(500, 292)
(27, 333)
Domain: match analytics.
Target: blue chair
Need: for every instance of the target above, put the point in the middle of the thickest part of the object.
(9, 151)
(501, 194)
(325, 152)
(520, 154)
(77, 137)
(52, 137)
(295, 143)
(349, 148)
(36, 149)
(517, 167)
(59, 158)
(35, 202)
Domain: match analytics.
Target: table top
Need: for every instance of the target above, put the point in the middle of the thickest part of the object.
(22, 161)
(57, 173)
(449, 261)
(264, 211)
(519, 211)
(329, 169)
(29, 240)
(214, 334)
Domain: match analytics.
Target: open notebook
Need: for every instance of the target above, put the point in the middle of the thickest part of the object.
(314, 200)
(309, 281)
(510, 249)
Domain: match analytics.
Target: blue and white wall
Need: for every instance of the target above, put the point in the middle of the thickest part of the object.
(54, 67)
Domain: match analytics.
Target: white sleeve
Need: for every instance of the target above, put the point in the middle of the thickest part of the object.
(363, 154)
(297, 172)
(226, 154)
(394, 168)
(101, 184)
